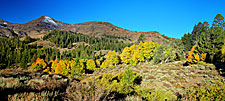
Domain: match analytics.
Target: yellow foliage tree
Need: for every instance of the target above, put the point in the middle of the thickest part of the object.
(223, 52)
(135, 57)
(138, 53)
(197, 59)
(112, 58)
(53, 65)
(91, 64)
(126, 55)
(98, 63)
(76, 67)
(140, 49)
(66, 67)
(58, 68)
(82, 63)
(148, 49)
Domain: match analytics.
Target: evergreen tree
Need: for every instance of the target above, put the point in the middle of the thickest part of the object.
(141, 38)
(187, 41)
(212, 40)
(219, 21)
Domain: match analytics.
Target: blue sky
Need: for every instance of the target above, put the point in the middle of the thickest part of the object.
(169, 17)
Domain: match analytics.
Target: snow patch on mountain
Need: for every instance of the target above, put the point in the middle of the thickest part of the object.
(49, 20)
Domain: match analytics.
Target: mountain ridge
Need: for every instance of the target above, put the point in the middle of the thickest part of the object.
(44, 24)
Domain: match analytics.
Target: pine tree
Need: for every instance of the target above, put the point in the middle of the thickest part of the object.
(211, 42)
(219, 21)
(187, 41)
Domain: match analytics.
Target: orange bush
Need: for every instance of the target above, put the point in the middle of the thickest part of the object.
(195, 57)
(65, 67)
(40, 65)
(203, 56)
(190, 55)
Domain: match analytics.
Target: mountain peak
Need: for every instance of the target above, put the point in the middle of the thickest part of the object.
(48, 19)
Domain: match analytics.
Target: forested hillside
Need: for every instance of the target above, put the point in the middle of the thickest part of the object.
(74, 65)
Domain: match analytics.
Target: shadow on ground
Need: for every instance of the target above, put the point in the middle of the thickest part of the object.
(220, 67)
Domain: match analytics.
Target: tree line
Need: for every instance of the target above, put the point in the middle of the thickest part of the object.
(207, 40)
(14, 52)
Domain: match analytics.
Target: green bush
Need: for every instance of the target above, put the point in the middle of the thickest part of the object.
(169, 51)
(208, 92)
(121, 83)
(155, 95)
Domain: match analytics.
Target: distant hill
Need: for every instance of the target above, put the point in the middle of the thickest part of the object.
(44, 24)
(97, 28)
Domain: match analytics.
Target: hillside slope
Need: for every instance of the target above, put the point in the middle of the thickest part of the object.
(97, 28)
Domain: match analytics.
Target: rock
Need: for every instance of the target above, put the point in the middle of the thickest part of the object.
(65, 80)
(40, 81)
(206, 76)
(37, 74)
(177, 62)
(45, 76)
(56, 77)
